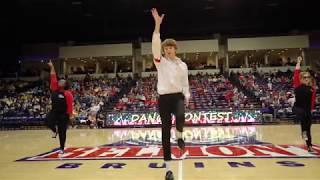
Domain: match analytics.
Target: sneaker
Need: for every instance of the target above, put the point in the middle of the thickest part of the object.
(304, 135)
(54, 134)
(169, 175)
(181, 144)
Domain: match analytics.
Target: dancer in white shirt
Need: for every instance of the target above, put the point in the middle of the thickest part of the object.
(173, 89)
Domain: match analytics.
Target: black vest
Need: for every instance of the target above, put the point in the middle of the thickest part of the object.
(303, 95)
(59, 102)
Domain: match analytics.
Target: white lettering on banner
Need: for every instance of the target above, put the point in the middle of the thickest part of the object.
(194, 117)
(220, 117)
(190, 118)
(251, 119)
(135, 118)
(143, 119)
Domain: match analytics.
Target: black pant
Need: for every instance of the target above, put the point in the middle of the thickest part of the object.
(305, 118)
(60, 120)
(170, 104)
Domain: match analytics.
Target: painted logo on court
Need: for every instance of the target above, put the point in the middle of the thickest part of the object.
(201, 143)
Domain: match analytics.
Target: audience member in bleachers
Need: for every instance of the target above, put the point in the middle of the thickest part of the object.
(93, 113)
(94, 91)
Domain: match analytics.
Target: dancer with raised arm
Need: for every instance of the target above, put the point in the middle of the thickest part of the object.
(62, 107)
(173, 89)
(305, 93)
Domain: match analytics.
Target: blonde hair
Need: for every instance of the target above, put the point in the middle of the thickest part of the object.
(301, 77)
(169, 42)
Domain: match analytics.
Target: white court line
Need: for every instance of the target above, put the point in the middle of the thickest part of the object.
(180, 170)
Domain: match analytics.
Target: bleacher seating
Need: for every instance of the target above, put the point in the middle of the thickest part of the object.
(270, 92)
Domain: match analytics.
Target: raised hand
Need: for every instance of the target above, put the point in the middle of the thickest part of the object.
(299, 59)
(52, 70)
(50, 64)
(157, 19)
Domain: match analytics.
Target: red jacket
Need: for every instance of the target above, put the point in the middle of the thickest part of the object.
(67, 93)
(296, 83)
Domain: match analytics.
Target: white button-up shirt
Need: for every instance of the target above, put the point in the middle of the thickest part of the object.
(172, 74)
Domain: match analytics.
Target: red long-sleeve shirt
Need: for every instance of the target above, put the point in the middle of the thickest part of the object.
(297, 83)
(67, 93)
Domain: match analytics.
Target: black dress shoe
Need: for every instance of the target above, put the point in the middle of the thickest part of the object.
(181, 144)
(169, 175)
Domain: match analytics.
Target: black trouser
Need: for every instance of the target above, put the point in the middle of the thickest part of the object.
(60, 120)
(170, 104)
(305, 119)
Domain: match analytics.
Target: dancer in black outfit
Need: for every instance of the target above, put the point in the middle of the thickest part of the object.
(62, 107)
(305, 93)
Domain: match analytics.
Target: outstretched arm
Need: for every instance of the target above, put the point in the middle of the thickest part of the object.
(157, 20)
(299, 60)
(53, 77)
(296, 78)
(156, 41)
